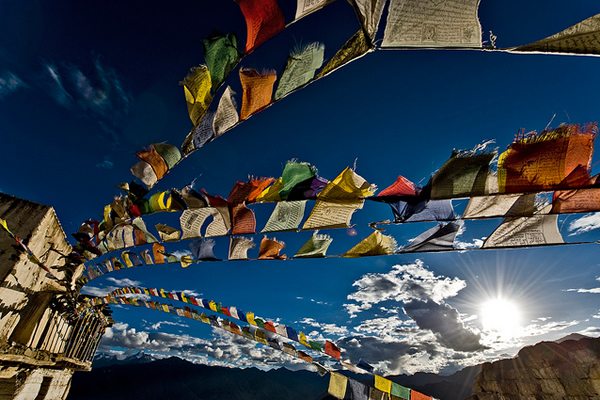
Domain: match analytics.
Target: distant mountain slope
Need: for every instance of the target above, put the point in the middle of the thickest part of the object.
(174, 378)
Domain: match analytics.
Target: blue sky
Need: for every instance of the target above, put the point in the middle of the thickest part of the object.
(85, 86)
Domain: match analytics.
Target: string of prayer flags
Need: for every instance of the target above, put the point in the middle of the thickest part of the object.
(270, 248)
(438, 238)
(581, 38)
(449, 23)
(538, 229)
(316, 246)
(369, 14)
(300, 68)
(203, 249)
(376, 244)
(337, 385)
(264, 19)
(537, 162)
(192, 221)
(226, 116)
(357, 46)
(286, 216)
(167, 234)
(238, 247)
(221, 56)
(221, 223)
(244, 221)
(505, 205)
(258, 89)
(463, 175)
(197, 87)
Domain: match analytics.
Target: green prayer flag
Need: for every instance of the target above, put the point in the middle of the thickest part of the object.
(221, 56)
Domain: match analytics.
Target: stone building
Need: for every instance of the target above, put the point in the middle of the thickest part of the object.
(45, 332)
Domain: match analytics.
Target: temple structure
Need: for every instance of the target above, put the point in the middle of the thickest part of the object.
(45, 332)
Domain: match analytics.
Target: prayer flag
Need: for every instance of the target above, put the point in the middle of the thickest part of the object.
(141, 226)
(271, 193)
(383, 384)
(401, 391)
(300, 68)
(303, 356)
(364, 365)
(221, 222)
(357, 46)
(438, 238)
(376, 394)
(270, 248)
(376, 244)
(502, 205)
(332, 349)
(192, 221)
(449, 23)
(419, 209)
(147, 258)
(463, 175)
(203, 249)
(145, 173)
(221, 56)
(186, 261)
(337, 385)
(526, 231)
(357, 390)
(239, 246)
(286, 216)
(369, 14)
(414, 395)
(572, 201)
(303, 339)
(264, 19)
(126, 260)
(315, 246)
(197, 88)
(291, 334)
(258, 89)
(226, 115)
(152, 157)
(244, 221)
(260, 336)
(167, 234)
(169, 153)
(537, 162)
(581, 38)
(402, 187)
(289, 349)
(305, 7)
(157, 250)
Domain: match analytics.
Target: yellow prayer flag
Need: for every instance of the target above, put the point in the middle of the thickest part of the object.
(196, 86)
(213, 306)
(3, 223)
(107, 221)
(337, 385)
(185, 261)
(126, 259)
(250, 318)
(271, 193)
(303, 339)
(383, 384)
(204, 318)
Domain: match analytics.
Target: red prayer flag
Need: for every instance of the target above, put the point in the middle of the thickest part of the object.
(332, 349)
(264, 19)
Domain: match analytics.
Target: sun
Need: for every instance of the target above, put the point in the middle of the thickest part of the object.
(501, 317)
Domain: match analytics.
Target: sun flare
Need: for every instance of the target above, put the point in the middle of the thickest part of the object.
(501, 317)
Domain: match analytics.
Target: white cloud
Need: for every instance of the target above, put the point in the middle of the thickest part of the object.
(403, 283)
(157, 325)
(9, 83)
(584, 224)
(329, 329)
(538, 329)
(124, 282)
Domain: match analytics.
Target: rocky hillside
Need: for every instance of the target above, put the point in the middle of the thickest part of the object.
(568, 369)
